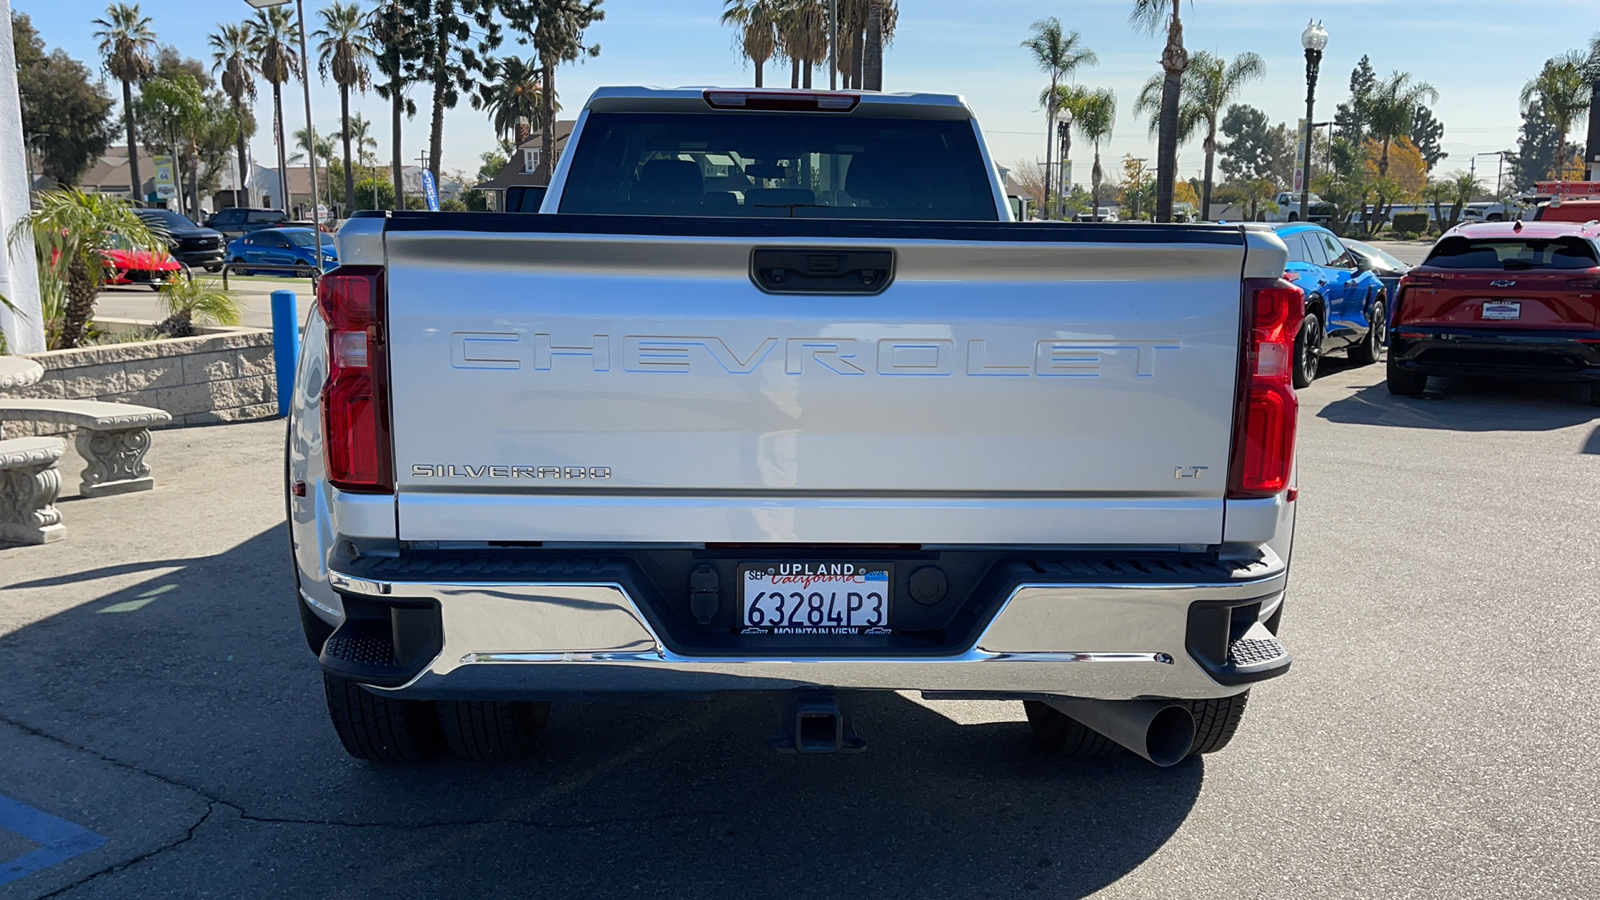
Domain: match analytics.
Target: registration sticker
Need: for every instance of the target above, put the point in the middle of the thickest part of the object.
(1501, 309)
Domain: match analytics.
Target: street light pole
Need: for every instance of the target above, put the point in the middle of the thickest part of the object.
(1314, 39)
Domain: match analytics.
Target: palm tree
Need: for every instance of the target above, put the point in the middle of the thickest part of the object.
(1212, 84)
(872, 47)
(803, 38)
(271, 32)
(512, 97)
(191, 300)
(1148, 16)
(1059, 54)
(325, 149)
(757, 22)
(343, 50)
(71, 231)
(233, 54)
(1392, 107)
(1562, 89)
(398, 51)
(559, 38)
(1095, 117)
(126, 43)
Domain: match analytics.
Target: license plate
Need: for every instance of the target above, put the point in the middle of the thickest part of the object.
(1500, 309)
(815, 598)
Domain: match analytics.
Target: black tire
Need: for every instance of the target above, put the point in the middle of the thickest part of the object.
(1215, 722)
(1403, 383)
(381, 729)
(1367, 352)
(237, 270)
(214, 269)
(1308, 349)
(304, 272)
(490, 730)
(1057, 733)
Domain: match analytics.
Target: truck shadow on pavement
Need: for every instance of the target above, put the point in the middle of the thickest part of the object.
(1461, 404)
(200, 677)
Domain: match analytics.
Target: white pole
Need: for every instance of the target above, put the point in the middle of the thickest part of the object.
(19, 273)
(311, 136)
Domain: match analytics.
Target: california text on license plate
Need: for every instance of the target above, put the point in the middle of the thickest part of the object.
(814, 598)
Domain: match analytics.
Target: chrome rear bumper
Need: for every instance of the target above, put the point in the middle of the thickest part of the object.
(542, 640)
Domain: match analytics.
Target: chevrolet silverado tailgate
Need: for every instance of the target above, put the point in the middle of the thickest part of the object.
(613, 379)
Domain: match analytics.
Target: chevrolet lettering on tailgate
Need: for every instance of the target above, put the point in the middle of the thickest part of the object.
(800, 355)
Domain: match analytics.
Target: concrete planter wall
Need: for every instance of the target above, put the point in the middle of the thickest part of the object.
(219, 375)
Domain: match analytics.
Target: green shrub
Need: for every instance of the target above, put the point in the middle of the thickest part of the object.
(1413, 222)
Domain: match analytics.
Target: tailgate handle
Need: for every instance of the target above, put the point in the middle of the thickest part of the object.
(820, 270)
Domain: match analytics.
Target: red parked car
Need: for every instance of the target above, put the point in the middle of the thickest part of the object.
(1507, 299)
(126, 264)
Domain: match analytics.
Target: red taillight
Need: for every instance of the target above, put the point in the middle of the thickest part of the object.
(786, 101)
(355, 414)
(1267, 410)
(1411, 279)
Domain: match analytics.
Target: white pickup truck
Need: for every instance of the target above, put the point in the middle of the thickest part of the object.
(773, 396)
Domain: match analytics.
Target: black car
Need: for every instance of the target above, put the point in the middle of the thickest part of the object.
(190, 244)
(238, 221)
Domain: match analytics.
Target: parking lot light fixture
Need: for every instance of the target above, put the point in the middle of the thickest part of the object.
(311, 132)
(1314, 39)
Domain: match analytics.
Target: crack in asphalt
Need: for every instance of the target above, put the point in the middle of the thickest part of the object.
(213, 803)
(188, 835)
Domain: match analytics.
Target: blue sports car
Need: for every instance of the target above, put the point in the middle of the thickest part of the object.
(281, 251)
(1345, 302)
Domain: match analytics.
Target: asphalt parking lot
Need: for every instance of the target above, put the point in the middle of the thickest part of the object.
(162, 730)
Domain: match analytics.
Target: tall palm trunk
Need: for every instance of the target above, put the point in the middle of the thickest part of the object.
(397, 104)
(760, 68)
(858, 45)
(806, 77)
(1094, 181)
(794, 72)
(283, 162)
(349, 170)
(872, 46)
(548, 144)
(1174, 59)
(436, 131)
(135, 187)
(1211, 158)
(241, 186)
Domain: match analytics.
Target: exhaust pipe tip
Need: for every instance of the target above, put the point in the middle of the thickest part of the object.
(1169, 737)
(1157, 730)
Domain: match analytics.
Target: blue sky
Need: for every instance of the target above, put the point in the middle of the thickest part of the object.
(1476, 52)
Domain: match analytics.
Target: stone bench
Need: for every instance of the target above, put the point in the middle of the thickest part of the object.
(29, 486)
(112, 438)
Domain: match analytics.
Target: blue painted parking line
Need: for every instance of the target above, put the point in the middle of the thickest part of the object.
(58, 839)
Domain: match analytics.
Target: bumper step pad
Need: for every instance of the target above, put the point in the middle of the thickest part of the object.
(1258, 650)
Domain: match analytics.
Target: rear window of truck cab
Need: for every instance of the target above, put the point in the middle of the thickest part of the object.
(751, 164)
(1568, 252)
